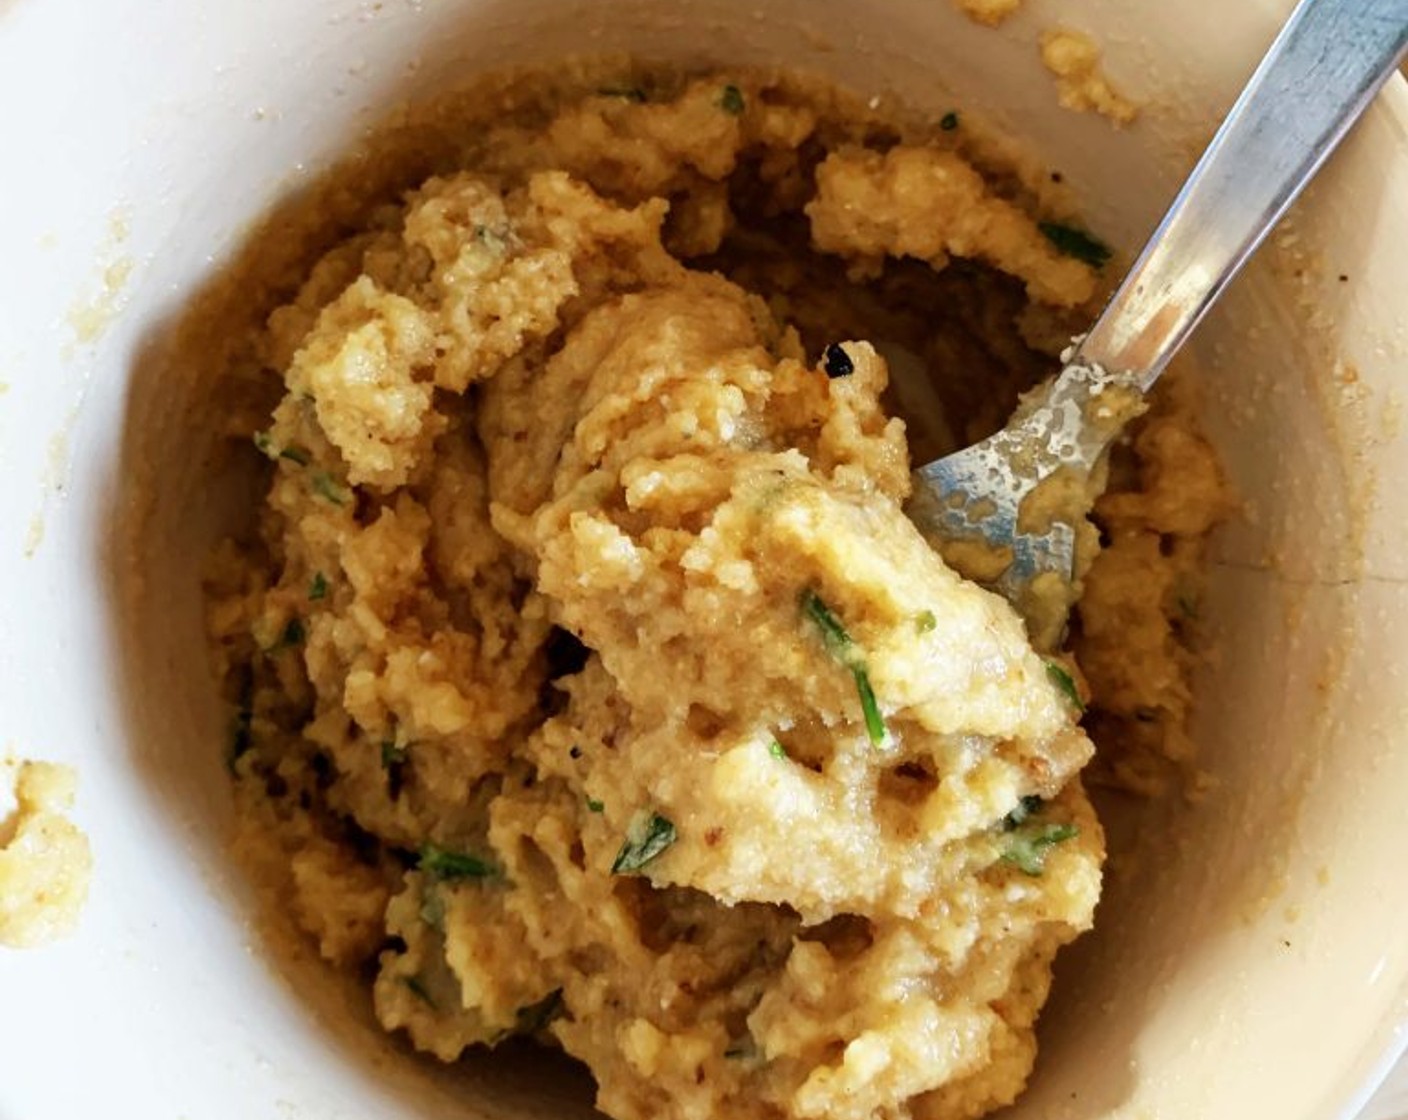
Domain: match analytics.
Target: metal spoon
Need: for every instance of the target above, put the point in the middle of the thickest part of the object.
(1317, 78)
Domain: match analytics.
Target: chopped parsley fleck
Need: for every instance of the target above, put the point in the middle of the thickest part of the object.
(838, 642)
(293, 634)
(414, 983)
(777, 750)
(595, 806)
(444, 864)
(925, 622)
(836, 362)
(731, 101)
(874, 723)
(1028, 846)
(949, 121)
(840, 645)
(1066, 683)
(1029, 805)
(1072, 242)
(318, 587)
(648, 836)
(392, 754)
(626, 93)
(536, 1016)
(265, 442)
(325, 486)
(1188, 605)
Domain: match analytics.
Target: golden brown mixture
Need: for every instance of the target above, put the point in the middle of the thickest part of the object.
(1074, 59)
(988, 12)
(592, 684)
(45, 861)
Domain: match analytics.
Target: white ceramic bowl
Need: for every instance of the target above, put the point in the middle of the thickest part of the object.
(1257, 965)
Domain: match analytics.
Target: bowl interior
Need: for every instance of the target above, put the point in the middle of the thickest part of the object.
(1259, 920)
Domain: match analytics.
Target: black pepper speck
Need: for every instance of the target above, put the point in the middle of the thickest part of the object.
(836, 362)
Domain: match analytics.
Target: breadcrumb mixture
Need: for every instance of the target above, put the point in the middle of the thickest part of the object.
(45, 859)
(1074, 59)
(990, 13)
(590, 683)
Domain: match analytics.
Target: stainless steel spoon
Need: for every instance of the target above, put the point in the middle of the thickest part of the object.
(1319, 75)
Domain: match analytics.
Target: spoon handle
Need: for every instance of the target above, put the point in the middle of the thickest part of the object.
(1318, 76)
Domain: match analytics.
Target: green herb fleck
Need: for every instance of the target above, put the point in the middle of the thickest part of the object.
(836, 362)
(1027, 847)
(391, 753)
(1073, 242)
(731, 101)
(777, 750)
(536, 1016)
(1063, 681)
(838, 642)
(925, 622)
(949, 121)
(265, 442)
(844, 650)
(1029, 804)
(647, 837)
(595, 806)
(293, 634)
(627, 93)
(1188, 606)
(874, 723)
(414, 983)
(318, 587)
(325, 486)
(444, 864)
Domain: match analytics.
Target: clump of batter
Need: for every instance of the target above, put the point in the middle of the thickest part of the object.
(1081, 85)
(590, 680)
(45, 860)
